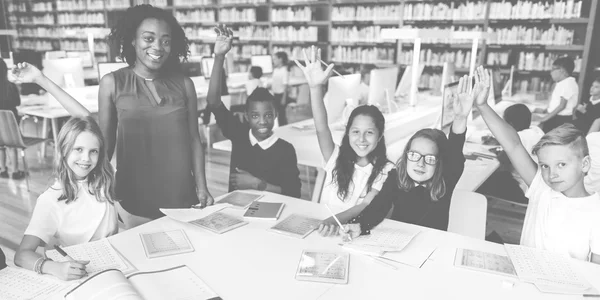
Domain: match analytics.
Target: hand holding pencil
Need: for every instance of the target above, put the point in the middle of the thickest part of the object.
(69, 270)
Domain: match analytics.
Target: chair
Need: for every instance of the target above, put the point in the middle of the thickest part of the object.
(468, 214)
(11, 137)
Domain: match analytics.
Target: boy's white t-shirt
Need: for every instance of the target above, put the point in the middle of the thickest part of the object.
(592, 179)
(83, 220)
(561, 224)
(568, 89)
(252, 84)
(529, 137)
(358, 187)
(279, 80)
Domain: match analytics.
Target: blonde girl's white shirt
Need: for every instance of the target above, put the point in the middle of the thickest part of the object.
(358, 186)
(83, 220)
(279, 80)
(561, 224)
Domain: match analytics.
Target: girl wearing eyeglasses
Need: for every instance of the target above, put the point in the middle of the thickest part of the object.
(421, 188)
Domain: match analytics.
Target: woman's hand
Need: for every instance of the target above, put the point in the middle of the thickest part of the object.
(224, 38)
(206, 199)
(25, 73)
(315, 76)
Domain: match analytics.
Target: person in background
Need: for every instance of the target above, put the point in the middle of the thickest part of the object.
(589, 113)
(506, 183)
(9, 100)
(254, 79)
(564, 96)
(365, 81)
(279, 83)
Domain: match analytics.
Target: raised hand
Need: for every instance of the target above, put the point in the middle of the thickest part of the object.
(25, 73)
(463, 101)
(223, 41)
(481, 90)
(313, 72)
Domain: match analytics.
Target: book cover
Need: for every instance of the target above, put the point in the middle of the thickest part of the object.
(264, 210)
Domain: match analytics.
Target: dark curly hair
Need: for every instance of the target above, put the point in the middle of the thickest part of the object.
(344, 165)
(124, 33)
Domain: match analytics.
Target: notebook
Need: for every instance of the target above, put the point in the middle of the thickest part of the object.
(18, 283)
(238, 199)
(178, 283)
(219, 222)
(264, 210)
(296, 225)
(100, 253)
(165, 243)
(483, 261)
(328, 267)
(382, 239)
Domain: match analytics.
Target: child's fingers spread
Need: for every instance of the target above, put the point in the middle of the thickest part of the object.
(306, 60)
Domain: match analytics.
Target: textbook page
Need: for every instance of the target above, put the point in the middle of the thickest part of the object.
(101, 254)
(18, 283)
(178, 283)
(483, 261)
(106, 285)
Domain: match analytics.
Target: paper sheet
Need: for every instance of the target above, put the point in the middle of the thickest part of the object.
(483, 261)
(164, 243)
(17, 283)
(296, 225)
(101, 254)
(319, 266)
(384, 238)
(190, 214)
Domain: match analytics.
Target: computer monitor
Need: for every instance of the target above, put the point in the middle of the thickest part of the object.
(381, 88)
(191, 69)
(207, 63)
(65, 72)
(263, 61)
(403, 89)
(449, 92)
(105, 68)
(86, 57)
(339, 90)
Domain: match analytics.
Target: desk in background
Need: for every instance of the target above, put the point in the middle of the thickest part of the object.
(251, 262)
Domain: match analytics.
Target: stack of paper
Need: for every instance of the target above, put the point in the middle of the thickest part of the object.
(101, 255)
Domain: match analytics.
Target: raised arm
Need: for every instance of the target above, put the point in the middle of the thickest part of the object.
(505, 134)
(24, 72)
(222, 46)
(315, 78)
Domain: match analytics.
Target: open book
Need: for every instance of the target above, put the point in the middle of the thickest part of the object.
(18, 283)
(178, 283)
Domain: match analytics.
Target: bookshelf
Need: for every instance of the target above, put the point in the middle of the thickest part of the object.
(530, 34)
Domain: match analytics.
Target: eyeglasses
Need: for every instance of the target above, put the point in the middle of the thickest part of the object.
(416, 156)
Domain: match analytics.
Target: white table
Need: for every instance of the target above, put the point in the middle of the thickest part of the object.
(253, 263)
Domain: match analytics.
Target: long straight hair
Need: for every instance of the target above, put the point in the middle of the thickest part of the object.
(344, 165)
(100, 181)
(436, 185)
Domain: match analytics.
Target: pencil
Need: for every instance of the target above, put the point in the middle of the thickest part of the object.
(338, 222)
(63, 253)
(334, 71)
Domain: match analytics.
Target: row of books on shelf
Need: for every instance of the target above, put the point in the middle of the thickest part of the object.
(363, 55)
(437, 58)
(368, 34)
(534, 85)
(247, 51)
(445, 11)
(293, 52)
(366, 13)
(80, 18)
(541, 61)
(198, 15)
(235, 15)
(291, 14)
(100, 47)
(525, 9)
(200, 49)
(62, 5)
(522, 35)
(36, 20)
(290, 33)
(57, 32)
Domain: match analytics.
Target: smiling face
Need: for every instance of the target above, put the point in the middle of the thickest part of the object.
(83, 158)
(152, 44)
(261, 117)
(563, 169)
(595, 90)
(419, 170)
(363, 136)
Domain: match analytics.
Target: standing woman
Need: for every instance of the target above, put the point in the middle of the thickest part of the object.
(149, 110)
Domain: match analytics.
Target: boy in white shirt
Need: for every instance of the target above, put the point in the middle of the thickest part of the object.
(254, 79)
(592, 178)
(561, 216)
(564, 96)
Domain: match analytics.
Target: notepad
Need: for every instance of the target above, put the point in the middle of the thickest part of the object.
(238, 199)
(483, 261)
(328, 267)
(383, 239)
(296, 225)
(264, 210)
(179, 283)
(219, 222)
(18, 283)
(165, 243)
(548, 271)
(100, 253)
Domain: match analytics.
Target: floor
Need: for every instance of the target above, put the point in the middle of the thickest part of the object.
(17, 203)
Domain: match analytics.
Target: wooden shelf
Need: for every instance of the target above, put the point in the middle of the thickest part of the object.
(367, 22)
(243, 5)
(193, 7)
(363, 44)
(298, 3)
(311, 23)
(298, 43)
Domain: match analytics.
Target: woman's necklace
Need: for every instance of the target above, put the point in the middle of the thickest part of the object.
(147, 79)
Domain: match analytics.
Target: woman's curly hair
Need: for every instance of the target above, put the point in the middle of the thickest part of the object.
(124, 33)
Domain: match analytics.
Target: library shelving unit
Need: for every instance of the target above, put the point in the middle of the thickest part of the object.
(530, 34)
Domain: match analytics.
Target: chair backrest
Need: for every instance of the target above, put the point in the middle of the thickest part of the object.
(468, 214)
(10, 135)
